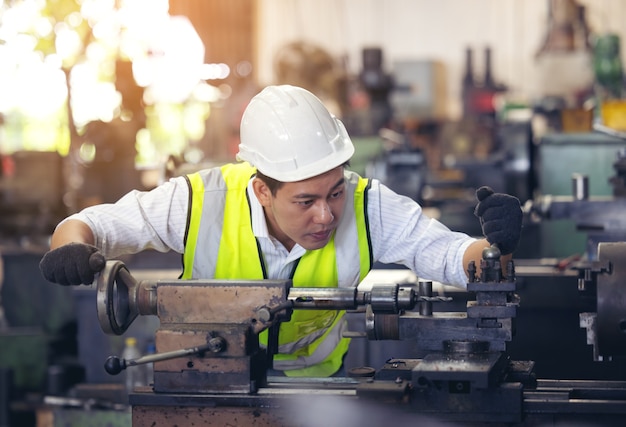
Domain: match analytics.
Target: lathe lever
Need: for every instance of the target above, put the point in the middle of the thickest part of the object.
(114, 365)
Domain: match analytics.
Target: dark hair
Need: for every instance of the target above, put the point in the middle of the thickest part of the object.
(274, 185)
(271, 183)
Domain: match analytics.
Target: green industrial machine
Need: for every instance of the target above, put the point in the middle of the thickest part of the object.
(560, 156)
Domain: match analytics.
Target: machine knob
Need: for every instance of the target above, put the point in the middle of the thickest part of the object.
(217, 344)
(114, 365)
(492, 252)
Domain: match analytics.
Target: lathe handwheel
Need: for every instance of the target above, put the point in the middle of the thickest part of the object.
(116, 304)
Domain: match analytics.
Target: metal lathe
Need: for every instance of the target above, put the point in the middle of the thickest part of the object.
(209, 368)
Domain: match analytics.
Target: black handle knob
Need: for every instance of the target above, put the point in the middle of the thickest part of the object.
(114, 365)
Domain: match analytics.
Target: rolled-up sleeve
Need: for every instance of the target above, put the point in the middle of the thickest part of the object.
(402, 234)
(141, 220)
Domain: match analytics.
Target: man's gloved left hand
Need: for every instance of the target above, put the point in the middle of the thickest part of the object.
(500, 217)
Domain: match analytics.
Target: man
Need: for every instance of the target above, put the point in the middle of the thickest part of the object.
(291, 209)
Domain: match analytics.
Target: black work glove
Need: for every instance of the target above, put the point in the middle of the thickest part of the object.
(500, 217)
(72, 264)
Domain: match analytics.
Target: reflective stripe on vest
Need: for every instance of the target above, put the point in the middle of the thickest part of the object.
(220, 244)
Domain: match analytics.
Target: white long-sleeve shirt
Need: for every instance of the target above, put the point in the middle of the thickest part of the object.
(400, 232)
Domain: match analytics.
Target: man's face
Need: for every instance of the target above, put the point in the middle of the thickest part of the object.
(304, 212)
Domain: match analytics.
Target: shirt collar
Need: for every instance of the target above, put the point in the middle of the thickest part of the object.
(259, 223)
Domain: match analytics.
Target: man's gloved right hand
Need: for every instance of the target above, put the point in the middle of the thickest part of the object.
(500, 217)
(72, 264)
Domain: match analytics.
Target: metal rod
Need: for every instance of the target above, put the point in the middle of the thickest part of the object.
(114, 365)
(426, 290)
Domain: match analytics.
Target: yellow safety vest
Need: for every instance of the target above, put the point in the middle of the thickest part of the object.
(220, 243)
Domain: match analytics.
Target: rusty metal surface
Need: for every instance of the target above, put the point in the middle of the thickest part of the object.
(292, 403)
(194, 313)
(219, 417)
(224, 302)
(375, 402)
(180, 337)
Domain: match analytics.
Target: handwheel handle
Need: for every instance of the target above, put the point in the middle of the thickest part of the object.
(116, 298)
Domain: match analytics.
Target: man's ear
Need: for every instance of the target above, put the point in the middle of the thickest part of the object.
(261, 191)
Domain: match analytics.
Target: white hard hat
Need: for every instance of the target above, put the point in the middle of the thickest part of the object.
(288, 134)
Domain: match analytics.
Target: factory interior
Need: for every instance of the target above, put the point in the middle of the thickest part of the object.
(98, 98)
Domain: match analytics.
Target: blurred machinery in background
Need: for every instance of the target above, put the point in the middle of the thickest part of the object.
(32, 186)
(37, 322)
(402, 136)
(404, 166)
(378, 85)
(38, 335)
(307, 65)
(112, 171)
(439, 162)
(400, 166)
(581, 198)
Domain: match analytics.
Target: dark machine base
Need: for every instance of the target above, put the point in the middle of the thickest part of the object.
(337, 402)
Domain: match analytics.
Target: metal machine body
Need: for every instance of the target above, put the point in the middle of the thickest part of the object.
(210, 370)
(596, 217)
(606, 327)
(599, 217)
(219, 320)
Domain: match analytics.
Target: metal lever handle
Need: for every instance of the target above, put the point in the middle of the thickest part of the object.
(114, 365)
